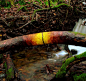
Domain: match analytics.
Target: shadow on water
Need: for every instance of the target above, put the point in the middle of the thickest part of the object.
(31, 63)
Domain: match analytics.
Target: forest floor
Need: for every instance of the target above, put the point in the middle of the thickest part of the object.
(31, 61)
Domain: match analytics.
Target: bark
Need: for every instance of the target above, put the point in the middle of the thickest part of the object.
(53, 37)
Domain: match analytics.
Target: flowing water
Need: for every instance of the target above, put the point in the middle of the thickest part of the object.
(31, 63)
(80, 26)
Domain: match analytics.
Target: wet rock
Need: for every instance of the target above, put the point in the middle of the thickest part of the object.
(73, 51)
(22, 55)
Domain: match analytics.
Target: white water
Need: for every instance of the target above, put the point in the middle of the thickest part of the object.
(62, 53)
(78, 28)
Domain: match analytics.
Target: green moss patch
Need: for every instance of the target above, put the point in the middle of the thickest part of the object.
(62, 72)
(81, 77)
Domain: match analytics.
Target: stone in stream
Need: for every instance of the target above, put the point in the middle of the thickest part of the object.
(73, 51)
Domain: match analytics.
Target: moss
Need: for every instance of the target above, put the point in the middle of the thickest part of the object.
(9, 73)
(5, 65)
(62, 4)
(77, 33)
(1, 56)
(81, 55)
(62, 72)
(81, 77)
(68, 61)
(72, 73)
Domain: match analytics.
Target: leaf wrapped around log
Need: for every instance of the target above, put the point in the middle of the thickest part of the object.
(53, 37)
(69, 63)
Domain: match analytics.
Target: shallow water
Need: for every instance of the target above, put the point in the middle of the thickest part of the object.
(31, 63)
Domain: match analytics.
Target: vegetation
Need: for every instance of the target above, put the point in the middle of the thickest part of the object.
(49, 4)
(81, 77)
(69, 63)
(9, 3)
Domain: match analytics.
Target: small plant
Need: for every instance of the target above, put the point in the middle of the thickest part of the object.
(23, 8)
(21, 2)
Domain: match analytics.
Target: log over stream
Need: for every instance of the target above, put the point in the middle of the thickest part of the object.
(54, 37)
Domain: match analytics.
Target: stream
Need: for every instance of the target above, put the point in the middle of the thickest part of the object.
(31, 61)
(35, 59)
(42, 62)
(79, 27)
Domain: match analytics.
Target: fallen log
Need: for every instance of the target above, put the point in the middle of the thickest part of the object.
(53, 37)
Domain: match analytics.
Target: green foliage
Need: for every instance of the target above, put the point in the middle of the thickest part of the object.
(28, 2)
(1, 56)
(46, 3)
(81, 55)
(9, 73)
(9, 3)
(76, 33)
(12, 2)
(23, 8)
(21, 2)
(5, 65)
(34, 2)
(2, 3)
(81, 77)
(39, 1)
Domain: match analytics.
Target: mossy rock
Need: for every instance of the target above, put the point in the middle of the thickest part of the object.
(63, 70)
(81, 77)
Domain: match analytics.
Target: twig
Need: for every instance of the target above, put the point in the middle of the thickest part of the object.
(24, 25)
(11, 17)
(45, 9)
(4, 20)
(48, 70)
